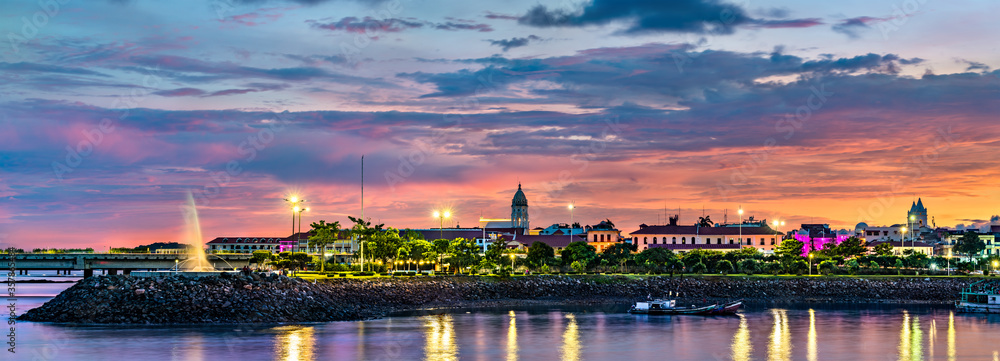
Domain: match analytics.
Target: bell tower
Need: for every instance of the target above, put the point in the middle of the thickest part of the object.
(519, 211)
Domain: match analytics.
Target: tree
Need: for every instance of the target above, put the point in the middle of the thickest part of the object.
(705, 221)
(883, 249)
(899, 265)
(748, 266)
(463, 253)
(538, 253)
(827, 267)
(917, 260)
(849, 248)
(773, 268)
(579, 251)
(363, 231)
(874, 265)
(798, 266)
(260, 257)
(658, 257)
(579, 266)
(420, 250)
(618, 253)
(698, 268)
(853, 266)
(970, 244)
(790, 250)
(724, 266)
(323, 234)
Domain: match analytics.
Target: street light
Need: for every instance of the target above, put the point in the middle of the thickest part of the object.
(740, 211)
(512, 262)
(441, 216)
(810, 264)
(995, 264)
(294, 200)
(913, 219)
(902, 244)
(570, 221)
(949, 261)
(298, 235)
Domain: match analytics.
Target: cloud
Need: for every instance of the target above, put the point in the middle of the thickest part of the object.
(46, 68)
(199, 71)
(654, 16)
(507, 44)
(180, 92)
(853, 26)
(373, 27)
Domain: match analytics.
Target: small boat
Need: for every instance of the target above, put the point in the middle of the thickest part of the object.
(669, 307)
(727, 309)
(979, 297)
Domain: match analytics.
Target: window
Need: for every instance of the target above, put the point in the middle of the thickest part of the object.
(644, 240)
(762, 241)
(654, 240)
(675, 240)
(772, 241)
(684, 240)
(595, 238)
(730, 241)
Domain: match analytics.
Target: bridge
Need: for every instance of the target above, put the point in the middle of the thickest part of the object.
(114, 262)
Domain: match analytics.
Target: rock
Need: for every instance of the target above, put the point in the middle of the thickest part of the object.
(140, 291)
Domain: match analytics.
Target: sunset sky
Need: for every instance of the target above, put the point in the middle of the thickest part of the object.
(808, 112)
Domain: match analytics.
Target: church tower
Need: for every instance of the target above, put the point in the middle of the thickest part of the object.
(519, 211)
(917, 215)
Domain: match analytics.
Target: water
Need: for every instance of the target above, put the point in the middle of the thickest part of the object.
(192, 235)
(567, 333)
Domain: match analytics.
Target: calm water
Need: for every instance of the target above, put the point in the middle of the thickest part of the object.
(760, 333)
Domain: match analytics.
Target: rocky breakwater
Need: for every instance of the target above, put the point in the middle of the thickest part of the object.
(268, 299)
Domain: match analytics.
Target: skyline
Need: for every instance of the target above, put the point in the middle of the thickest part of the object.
(809, 113)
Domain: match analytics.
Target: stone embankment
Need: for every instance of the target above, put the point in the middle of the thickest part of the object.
(269, 299)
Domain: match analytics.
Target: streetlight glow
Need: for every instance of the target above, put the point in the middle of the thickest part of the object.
(294, 199)
(437, 214)
(447, 214)
(296, 208)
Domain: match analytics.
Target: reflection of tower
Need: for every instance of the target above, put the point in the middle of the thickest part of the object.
(519, 210)
(918, 214)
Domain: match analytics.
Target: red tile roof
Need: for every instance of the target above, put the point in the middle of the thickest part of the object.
(554, 241)
(673, 247)
(707, 231)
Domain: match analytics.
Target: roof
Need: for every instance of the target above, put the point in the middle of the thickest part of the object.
(706, 231)
(519, 198)
(554, 241)
(432, 234)
(995, 229)
(673, 247)
(273, 240)
(896, 244)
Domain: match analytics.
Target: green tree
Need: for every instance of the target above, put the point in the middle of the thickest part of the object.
(748, 266)
(883, 249)
(579, 266)
(790, 250)
(874, 265)
(618, 253)
(970, 244)
(579, 251)
(260, 257)
(463, 253)
(798, 266)
(724, 266)
(853, 266)
(440, 249)
(917, 260)
(363, 232)
(827, 267)
(323, 234)
(538, 253)
(698, 268)
(658, 257)
(420, 249)
(849, 248)
(899, 265)
(773, 268)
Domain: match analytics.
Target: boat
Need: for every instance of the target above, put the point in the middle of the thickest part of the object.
(727, 309)
(669, 307)
(979, 297)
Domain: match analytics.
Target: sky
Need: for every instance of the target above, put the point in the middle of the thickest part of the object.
(111, 112)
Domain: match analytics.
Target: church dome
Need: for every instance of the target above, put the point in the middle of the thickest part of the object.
(519, 198)
(861, 226)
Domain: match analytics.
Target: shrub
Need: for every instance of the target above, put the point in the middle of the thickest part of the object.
(852, 266)
(699, 268)
(545, 268)
(724, 266)
(773, 268)
(748, 266)
(827, 267)
(579, 266)
(798, 267)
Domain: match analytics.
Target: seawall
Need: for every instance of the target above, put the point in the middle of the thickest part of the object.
(272, 299)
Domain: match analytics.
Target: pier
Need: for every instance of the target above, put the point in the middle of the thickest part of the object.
(113, 263)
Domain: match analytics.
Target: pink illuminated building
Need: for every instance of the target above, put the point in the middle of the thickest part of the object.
(816, 237)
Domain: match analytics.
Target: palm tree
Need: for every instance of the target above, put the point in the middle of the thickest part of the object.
(705, 221)
(323, 234)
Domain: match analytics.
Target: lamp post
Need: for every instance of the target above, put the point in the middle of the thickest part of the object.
(570, 206)
(949, 261)
(913, 219)
(294, 200)
(298, 235)
(995, 264)
(512, 262)
(903, 242)
(740, 211)
(441, 216)
(810, 264)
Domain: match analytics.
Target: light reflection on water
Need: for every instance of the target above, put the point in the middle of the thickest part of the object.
(529, 334)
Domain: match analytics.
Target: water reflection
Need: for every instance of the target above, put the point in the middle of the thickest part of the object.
(295, 343)
(951, 336)
(512, 338)
(742, 348)
(811, 347)
(440, 338)
(781, 344)
(571, 340)
(904, 338)
(911, 339)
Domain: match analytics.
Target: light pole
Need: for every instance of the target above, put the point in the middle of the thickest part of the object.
(441, 216)
(741, 224)
(949, 261)
(903, 243)
(294, 200)
(298, 235)
(512, 262)
(912, 240)
(995, 264)
(571, 221)
(810, 264)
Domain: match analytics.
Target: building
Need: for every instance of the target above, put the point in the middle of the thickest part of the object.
(244, 244)
(560, 228)
(519, 211)
(603, 235)
(817, 236)
(898, 248)
(917, 216)
(951, 237)
(869, 234)
(557, 242)
(685, 238)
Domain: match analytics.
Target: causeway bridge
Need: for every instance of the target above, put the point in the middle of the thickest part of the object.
(112, 263)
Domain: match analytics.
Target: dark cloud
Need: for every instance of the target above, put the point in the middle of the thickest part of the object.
(793, 23)
(180, 92)
(46, 68)
(852, 27)
(373, 27)
(193, 70)
(646, 16)
(507, 44)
